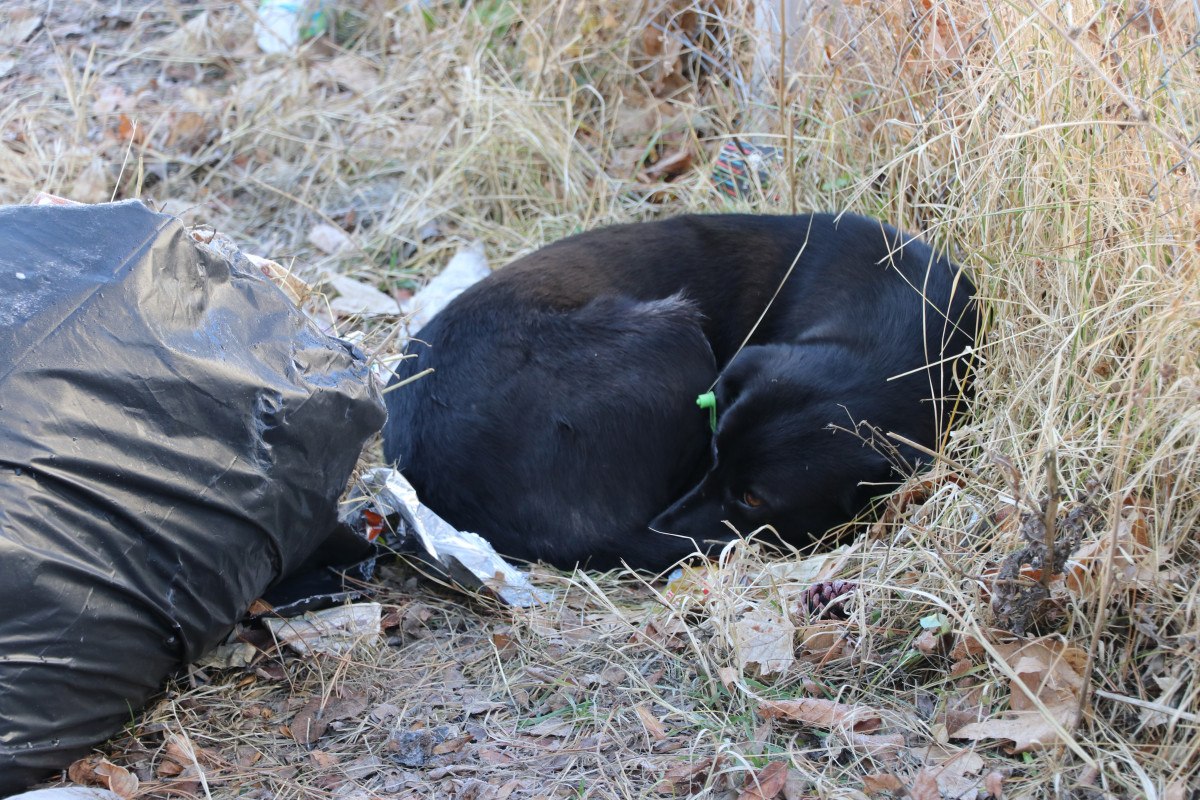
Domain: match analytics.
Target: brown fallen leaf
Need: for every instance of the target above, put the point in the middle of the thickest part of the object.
(507, 789)
(914, 494)
(450, 745)
(653, 726)
(961, 707)
(966, 647)
(181, 755)
(880, 782)
(310, 723)
(83, 771)
(880, 746)
(555, 726)
(993, 782)
(98, 771)
(130, 131)
(503, 642)
(763, 639)
(960, 668)
(955, 769)
(940, 40)
(188, 130)
(927, 642)
(666, 631)
(729, 676)
(687, 777)
(1148, 18)
(493, 756)
(821, 640)
(767, 783)
(925, 786)
(1053, 673)
(1133, 560)
(626, 162)
(823, 714)
(119, 780)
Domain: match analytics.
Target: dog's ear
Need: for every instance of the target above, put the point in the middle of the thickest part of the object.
(751, 366)
(737, 375)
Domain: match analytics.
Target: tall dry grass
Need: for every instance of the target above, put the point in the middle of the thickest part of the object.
(1051, 147)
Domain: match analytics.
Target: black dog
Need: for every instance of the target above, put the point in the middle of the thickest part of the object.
(561, 418)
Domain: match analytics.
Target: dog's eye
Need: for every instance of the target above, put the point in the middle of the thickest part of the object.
(751, 499)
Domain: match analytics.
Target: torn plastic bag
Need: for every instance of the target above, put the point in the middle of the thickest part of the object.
(465, 558)
(174, 436)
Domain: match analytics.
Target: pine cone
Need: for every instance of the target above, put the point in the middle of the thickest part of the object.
(826, 600)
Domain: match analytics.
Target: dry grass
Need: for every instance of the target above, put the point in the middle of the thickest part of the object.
(1054, 155)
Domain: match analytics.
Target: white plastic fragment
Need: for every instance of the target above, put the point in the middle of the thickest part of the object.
(281, 24)
(355, 297)
(467, 558)
(333, 631)
(329, 238)
(44, 199)
(468, 267)
(67, 793)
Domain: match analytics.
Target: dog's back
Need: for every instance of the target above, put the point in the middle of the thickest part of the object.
(560, 417)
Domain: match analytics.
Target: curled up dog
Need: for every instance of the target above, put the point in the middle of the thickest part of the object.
(560, 420)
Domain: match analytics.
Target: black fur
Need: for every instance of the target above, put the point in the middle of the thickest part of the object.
(561, 418)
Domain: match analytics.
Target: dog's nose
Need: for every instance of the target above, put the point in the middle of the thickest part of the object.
(696, 514)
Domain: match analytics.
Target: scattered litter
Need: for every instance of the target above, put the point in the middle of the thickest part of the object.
(745, 170)
(67, 793)
(466, 557)
(332, 631)
(329, 239)
(469, 266)
(355, 297)
(43, 199)
(689, 583)
(283, 24)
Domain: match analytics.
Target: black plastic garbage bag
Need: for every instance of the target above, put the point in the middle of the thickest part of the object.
(174, 436)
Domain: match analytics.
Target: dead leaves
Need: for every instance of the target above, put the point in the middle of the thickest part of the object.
(1083, 551)
(825, 714)
(671, 44)
(764, 639)
(878, 783)
(650, 722)
(1044, 696)
(1134, 562)
(314, 718)
(98, 771)
(924, 786)
(767, 783)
